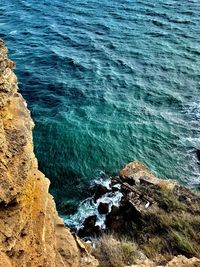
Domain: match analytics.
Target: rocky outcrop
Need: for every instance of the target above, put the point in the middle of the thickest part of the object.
(179, 261)
(160, 216)
(31, 233)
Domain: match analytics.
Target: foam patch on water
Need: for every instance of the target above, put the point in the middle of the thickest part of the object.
(193, 109)
(89, 208)
(106, 183)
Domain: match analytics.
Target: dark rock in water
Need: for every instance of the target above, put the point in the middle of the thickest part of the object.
(115, 189)
(89, 228)
(100, 191)
(130, 208)
(91, 220)
(118, 216)
(198, 154)
(103, 208)
(114, 180)
(114, 220)
(115, 184)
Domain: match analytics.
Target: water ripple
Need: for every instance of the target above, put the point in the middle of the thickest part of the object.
(107, 83)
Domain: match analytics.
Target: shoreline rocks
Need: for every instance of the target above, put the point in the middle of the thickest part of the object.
(161, 216)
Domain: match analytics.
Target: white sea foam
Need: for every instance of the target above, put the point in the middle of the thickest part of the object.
(89, 208)
(13, 32)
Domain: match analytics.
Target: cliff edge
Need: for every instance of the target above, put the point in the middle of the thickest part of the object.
(31, 233)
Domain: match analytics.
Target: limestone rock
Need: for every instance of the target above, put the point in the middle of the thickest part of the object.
(181, 261)
(145, 263)
(136, 172)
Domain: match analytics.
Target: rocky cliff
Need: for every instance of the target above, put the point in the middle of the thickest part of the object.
(31, 233)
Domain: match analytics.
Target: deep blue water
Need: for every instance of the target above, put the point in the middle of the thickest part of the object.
(108, 82)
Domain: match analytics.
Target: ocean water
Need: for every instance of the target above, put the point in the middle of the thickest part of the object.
(108, 82)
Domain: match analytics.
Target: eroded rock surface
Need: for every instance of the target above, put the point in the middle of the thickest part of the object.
(161, 216)
(31, 233)
(179, 261)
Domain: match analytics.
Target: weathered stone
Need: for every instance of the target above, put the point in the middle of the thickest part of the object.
(114, 220)
(100, 191)
(89, 227)
(103, 208)
(145, 263)
(181, 261)
(136, 173)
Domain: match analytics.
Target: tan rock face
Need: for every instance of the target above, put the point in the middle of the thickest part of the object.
(31, 233)
(136, 172)
(181, 261)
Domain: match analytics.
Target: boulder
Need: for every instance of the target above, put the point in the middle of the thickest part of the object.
(103, 208)
(133, 172)
(114, 219)
(181, 261)
(100, 191)
(89, 228)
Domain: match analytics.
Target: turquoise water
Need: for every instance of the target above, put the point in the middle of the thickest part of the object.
(108, 82)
